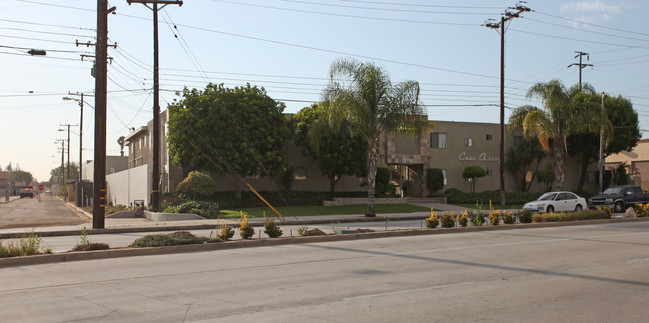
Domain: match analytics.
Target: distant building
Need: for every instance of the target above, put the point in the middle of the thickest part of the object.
(637, 161)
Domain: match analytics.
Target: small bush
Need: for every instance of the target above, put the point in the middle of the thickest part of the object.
(197, 185)
(91, 246)
(301, 231)
(463, 219)
(271, 229)
(435, 179)
(26, 246)
(642, 210)
(169, 239)
(225, 233)
(494, 217)
(508, 217)
(478, 219)
(204, 209)
(571, 216)
(448, 220)
(245, 230)
(525, 216)
(432, 222)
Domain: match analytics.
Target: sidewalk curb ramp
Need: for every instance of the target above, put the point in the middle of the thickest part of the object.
(267, 242)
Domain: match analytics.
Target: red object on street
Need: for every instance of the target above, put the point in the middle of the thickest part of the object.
(41, 187)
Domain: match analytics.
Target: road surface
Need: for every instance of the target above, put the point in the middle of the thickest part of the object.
(29, 212)
(590, 273)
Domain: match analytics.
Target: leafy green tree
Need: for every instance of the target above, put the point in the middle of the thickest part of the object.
(472, 173)
(335, 149)
(435, 179)
(362, 94)
(21, 176)
(521, 158)
(197, 185)
(559, 118)
(546, 177)
(236, 132)
(625, 133)
(57, 175)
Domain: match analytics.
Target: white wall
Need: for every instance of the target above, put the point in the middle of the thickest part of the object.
(128, 185)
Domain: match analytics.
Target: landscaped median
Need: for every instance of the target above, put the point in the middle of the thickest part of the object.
(182, 241)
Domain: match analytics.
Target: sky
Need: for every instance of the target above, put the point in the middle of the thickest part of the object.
(288, 46)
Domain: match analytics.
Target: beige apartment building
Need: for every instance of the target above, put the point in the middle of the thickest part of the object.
(450, 146)
(637, 161)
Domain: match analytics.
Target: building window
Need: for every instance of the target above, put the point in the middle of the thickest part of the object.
(468, 142)
(518, 140)
(438, 140)
(444, 173)
(299, 173)
(490, 137)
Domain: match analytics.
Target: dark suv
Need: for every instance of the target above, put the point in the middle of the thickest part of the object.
(619, 198)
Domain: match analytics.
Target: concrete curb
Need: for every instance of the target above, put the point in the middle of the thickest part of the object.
(267, 242)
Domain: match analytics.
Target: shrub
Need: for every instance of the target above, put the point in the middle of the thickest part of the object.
(607, 210)
(301, 231)
(432, 221)
(571, 216)
(448, 220)
(508, 217)
(202, 208)
(197, 185)
(225, 233)
(381, 181)
(169, 239)
(478, 219)
(26, 246)
(494, 217)
(525, 216)
(472, 173)
(271, 229)
(245, 230)
(463, 219)
(86, 245)
(642, 210)
(435, 179)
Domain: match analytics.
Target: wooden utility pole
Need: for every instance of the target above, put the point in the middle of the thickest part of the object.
(501, 25)
(581, 66)
(101, 75)
(155, 172)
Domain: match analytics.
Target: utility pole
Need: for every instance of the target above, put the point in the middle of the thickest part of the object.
(601, 150)
(581, 66)
(155, 172)
(68, 126)
(101, 75)
(79, 197)
(62, 141)
(519, 8)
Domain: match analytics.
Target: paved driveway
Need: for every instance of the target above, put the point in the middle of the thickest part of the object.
(28, 212)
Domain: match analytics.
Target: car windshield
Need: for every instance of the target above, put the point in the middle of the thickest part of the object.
(547, 197)
(613, 191)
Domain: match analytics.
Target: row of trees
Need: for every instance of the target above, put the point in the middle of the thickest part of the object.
(242, 132)
(570, 123)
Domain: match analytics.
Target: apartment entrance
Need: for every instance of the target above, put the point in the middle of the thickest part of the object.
(408, 178)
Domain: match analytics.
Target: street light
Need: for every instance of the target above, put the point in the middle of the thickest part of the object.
(65, 98)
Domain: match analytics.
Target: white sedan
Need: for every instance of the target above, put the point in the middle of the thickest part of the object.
(557, 202)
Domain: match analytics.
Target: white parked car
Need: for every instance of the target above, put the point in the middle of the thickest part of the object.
(557, 202)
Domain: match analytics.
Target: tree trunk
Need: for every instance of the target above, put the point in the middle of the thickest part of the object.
(584, 171)
(558, 163)
(236, 184)
(333, 180)
(371, 176)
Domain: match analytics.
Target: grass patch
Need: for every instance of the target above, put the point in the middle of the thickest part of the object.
(256, 212)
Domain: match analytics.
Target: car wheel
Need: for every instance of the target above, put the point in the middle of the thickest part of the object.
(619, 207)
(578, 208)
(550, 209)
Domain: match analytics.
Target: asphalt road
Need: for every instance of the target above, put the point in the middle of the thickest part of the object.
(29, 212)
(590, 273)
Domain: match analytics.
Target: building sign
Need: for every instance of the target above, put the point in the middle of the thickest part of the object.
(482, 157)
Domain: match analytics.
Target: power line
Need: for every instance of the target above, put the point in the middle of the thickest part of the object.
(387, 9)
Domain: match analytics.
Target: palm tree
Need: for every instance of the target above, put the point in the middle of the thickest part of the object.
(562, 116)
(362, 94)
